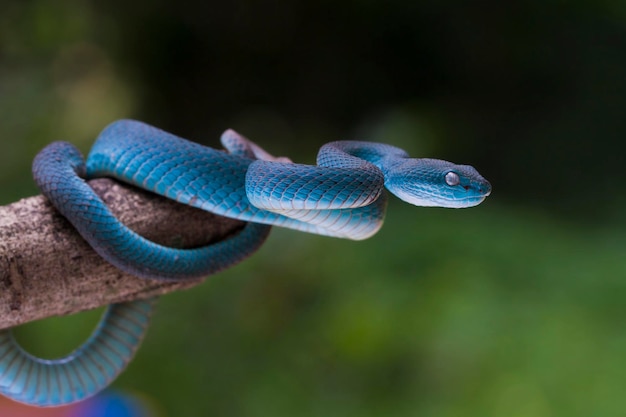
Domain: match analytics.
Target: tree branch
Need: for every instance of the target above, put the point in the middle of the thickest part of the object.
(47, 269)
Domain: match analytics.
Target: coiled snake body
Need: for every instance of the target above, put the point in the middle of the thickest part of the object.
(342, 197)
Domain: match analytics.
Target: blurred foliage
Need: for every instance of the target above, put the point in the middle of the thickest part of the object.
(512, 308)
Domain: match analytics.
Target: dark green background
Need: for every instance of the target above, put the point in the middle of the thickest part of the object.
(513, 308)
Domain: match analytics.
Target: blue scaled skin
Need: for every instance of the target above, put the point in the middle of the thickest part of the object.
(342, 196)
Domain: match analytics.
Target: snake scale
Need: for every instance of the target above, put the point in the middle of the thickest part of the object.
(342, 196)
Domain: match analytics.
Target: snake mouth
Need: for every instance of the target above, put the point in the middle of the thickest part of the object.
(471, 200)
(480, 197)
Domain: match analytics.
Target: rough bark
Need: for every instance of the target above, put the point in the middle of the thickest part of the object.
(47, 269)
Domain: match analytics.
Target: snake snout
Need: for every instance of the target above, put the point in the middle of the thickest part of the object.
(482, 189)
(485, 188)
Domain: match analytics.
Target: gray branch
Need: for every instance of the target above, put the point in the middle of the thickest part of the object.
(47, 269)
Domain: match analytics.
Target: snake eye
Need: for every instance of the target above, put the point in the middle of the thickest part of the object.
(452, 179)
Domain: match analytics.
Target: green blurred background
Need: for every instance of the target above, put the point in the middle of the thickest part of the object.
(513, 308)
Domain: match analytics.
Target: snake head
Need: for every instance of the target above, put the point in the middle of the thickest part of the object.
(436, 183)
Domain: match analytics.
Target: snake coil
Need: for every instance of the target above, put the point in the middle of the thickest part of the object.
(342, 196)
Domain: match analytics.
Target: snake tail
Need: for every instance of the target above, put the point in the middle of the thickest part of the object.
(84, 372)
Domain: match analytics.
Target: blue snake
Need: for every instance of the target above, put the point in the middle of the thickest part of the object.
(342, 196)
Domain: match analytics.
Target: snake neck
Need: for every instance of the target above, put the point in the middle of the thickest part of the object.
(381, 155)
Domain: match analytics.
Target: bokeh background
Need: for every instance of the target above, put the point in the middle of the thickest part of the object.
(513, 308)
